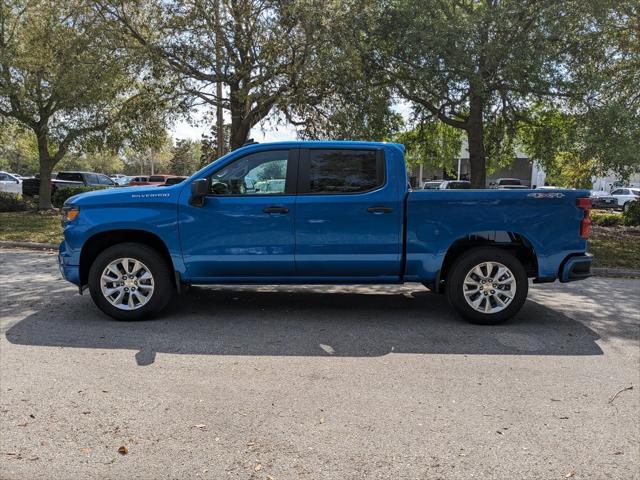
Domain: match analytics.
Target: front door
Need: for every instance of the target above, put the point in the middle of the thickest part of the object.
(244, 229)
(348, 215)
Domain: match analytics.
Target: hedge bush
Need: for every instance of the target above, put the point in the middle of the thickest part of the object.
(632, 215)
(10, 202)
(61, 194)
(606, 219)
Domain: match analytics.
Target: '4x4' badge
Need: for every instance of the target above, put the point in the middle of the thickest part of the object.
(546, 195)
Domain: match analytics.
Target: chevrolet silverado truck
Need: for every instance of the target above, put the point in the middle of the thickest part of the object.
(339, 213)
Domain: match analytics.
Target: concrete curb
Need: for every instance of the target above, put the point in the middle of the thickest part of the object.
(615, 272)
(29, 245)
(597, 271)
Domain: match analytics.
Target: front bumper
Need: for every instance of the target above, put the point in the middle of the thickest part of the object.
(576, 268)
(69, 272)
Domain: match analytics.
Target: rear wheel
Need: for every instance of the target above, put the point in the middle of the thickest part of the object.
(487, 285)
(130, 281)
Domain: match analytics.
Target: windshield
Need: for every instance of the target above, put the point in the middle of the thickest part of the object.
(156, 178)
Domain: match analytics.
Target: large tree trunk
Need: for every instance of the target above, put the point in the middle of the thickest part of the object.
(46, 167)
(475, 138)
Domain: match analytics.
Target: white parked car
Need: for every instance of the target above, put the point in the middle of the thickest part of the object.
(10, 182)
(626, 195)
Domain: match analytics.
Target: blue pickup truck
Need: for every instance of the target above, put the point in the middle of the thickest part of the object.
(321, 213)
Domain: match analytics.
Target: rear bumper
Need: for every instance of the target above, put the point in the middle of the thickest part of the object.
(576, 268)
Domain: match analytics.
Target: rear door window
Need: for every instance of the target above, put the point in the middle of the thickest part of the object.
(92, 179)
(69, 176)
(342, 171)
(104, 180)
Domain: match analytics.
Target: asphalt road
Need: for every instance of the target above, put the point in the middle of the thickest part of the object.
(316, 383)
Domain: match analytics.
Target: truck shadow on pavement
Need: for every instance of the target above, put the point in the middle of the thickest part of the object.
(324, 321)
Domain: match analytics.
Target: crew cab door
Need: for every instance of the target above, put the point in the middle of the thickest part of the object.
(348, 215)
(244, 228)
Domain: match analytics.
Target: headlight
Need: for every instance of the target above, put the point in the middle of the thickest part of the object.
(69, 213)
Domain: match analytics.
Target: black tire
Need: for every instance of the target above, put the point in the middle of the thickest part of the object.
(162, 279)
(626, 207)
(464, 264)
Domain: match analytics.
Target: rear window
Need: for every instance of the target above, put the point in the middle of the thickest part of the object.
(156, 178)
(459, 185)
(510, 182)
(344, 171)
(69, 176)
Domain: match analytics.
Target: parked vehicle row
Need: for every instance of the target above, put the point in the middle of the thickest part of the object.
(31, 187)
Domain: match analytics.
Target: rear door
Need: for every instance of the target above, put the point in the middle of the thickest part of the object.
(348, 220)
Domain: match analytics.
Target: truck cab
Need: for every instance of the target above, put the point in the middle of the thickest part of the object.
(320, 212)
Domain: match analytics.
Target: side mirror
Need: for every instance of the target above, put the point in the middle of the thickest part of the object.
(198, 192)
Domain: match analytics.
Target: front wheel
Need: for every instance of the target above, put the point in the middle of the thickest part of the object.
(487, 285)
(130, 281)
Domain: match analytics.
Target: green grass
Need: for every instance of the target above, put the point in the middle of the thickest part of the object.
(30, 227)
(616, 247)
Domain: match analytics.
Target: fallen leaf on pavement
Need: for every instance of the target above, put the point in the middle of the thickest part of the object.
(123, 450)
(200, 425)
(258, 467)
(570, 474)
(86, 450)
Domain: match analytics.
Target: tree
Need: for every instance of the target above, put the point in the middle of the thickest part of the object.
(185, 158)
(431, 144)
(474, 64)
(18, 149)
(149, 153)
(597, 133)
(258, 50)
(64, 78)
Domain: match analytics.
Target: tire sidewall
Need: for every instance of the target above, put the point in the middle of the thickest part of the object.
(163, 287)
(475, 257)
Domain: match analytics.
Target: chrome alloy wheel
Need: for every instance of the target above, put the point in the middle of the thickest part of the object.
(127, 283)
(489, 287)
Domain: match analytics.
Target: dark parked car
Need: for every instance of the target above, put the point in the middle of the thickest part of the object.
(603, 200)
(31, 186)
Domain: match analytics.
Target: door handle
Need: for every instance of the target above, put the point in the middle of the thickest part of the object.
(379, 209)
(275, 209)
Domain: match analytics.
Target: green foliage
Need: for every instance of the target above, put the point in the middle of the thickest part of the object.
(605, 219)
(632, 215)
(18, 148)
(10, 202)
(259, 51)
(432, 144)
(62, 194)
(185, 158)
(66, 78)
